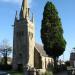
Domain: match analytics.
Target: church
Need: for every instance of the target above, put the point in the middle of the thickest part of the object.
(25, 50)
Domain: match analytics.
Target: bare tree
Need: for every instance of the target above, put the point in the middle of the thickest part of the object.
(5, 50)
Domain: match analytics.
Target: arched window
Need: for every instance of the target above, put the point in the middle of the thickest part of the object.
(20, 33)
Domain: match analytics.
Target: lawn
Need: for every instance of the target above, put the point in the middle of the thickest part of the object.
(16, 74)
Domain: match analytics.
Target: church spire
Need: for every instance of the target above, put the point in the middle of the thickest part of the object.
(24, 9)
(16, 16)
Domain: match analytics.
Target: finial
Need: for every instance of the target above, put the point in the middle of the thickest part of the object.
(32, 18)
(21, 13)
(16, 16)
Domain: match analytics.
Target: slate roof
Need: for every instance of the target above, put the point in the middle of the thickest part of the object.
(40, 49)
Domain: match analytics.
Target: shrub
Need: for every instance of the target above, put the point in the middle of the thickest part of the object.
(5, 67)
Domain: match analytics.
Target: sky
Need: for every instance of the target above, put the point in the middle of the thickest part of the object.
(65, 8)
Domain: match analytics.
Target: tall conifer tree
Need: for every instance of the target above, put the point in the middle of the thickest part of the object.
(52, 32)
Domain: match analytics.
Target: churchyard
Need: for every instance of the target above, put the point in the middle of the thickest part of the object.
(28, 57)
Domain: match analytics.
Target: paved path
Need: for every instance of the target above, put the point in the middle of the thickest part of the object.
(62, 73)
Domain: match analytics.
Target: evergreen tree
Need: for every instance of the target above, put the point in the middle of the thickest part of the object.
(52, 32)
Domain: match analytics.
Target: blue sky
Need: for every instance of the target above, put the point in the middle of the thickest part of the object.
(66, 10)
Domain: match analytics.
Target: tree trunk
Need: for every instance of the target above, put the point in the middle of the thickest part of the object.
(55, 64)
(5, 60)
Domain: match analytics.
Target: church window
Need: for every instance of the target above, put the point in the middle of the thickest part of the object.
(20, 33)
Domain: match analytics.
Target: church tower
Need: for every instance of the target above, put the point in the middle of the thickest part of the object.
(23, 38)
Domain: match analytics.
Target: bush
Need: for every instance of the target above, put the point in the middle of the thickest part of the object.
(59, 68)
(15, 73)
(50, 67)
(5, 67)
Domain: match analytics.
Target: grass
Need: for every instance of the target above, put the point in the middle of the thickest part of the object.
(16, 74)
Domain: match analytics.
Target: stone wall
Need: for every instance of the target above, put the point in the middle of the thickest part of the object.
(23, 43)
(33, 71)
(46, 61)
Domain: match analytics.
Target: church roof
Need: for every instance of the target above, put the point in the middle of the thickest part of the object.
(40, 49)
